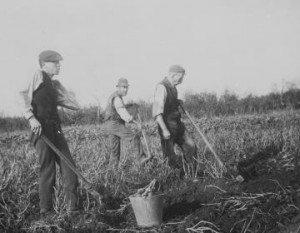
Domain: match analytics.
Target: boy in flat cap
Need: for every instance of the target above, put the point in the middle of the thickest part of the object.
(41, 99)
(167, 115)
(116, 115)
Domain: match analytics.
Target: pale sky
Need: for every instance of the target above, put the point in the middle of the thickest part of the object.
(247, 46)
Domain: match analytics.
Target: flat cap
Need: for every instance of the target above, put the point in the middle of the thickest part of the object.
(177, 69)
(122, 82)
(50, 56)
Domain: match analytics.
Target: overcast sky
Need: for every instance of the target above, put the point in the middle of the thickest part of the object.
(246, 46)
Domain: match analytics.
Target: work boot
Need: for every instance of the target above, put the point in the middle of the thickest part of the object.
(143, 159)
(75, 212)
(46, 214)
(44, 211)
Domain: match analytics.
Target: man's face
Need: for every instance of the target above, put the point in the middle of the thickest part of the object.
(178, 78)
(52, 68)
(123, 90)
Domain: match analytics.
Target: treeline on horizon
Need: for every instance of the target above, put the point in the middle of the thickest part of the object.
(198, 104)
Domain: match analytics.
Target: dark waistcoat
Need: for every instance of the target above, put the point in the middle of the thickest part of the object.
(44, 101)
(110, 111)
(171, 115)
(171, 104)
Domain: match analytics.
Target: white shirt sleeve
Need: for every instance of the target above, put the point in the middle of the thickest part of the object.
(28, 93)
(65, 98)
(121, 109)
(160, 96)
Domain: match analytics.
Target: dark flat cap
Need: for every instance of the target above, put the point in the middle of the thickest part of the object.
(50, 56)
(177, 69)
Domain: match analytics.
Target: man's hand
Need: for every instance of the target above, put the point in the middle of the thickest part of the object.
(139, 125)
(35, 126)
(180, 102)
(166, 133)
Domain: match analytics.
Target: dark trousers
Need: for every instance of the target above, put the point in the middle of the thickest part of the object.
(48, 159)
(117, 131)
(179, 136)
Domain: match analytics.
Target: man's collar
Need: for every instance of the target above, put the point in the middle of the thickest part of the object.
(118, 94)
(170, 81)
(50, 76)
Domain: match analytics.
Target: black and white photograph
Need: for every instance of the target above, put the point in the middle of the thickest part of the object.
(154, 116)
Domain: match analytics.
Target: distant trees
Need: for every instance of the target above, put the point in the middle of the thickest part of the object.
(198, 104)
(86, 115)
(208, 104)
(9, 124)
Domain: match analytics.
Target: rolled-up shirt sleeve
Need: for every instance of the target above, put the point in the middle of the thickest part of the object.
(160, 96)
(121, 109)
(27, 94)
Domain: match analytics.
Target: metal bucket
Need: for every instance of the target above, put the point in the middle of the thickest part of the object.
(148, 211)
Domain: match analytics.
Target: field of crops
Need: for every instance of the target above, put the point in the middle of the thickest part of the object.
(262, 149)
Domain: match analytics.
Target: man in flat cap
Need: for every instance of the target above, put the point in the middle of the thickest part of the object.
(116, 115)
(41, 99)
(167, 115)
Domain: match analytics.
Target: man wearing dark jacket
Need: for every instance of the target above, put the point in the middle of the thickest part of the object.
(167, 115)
(41, 98)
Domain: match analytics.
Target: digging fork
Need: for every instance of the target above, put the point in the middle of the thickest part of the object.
(203, 137)
(145, 140)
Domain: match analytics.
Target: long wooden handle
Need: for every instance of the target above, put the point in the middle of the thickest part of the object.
(98, 197)
(203, 137)
(65, 159)
(144, 137)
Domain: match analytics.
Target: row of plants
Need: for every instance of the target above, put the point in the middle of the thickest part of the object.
(263, 149)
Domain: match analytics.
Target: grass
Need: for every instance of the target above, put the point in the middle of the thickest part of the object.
(263, 149)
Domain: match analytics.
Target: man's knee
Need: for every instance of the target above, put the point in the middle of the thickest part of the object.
(190, 144)
(114, 142)
(193, 147)
(190, 150)
(136, 138)
(131, 136)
